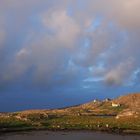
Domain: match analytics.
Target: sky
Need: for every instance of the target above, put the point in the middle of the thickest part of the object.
(58, 53)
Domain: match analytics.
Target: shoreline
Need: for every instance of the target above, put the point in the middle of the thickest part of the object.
(109, 131)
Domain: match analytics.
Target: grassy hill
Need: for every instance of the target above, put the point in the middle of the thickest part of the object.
(118, 115)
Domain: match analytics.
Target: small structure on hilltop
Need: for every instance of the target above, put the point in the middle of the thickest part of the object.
(95, 101)
(107, 100)
(115, 104)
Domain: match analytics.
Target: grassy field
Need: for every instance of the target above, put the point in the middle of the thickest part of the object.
(92, 123)
(110, 124)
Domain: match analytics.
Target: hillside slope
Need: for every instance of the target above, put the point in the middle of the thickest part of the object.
(132, 100)
(118, 115)
(127, 103)
(132, 103)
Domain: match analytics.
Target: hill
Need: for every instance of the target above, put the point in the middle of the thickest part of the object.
(130, 102)
(121, 114)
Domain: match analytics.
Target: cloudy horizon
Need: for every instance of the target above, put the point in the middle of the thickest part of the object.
(57, 53)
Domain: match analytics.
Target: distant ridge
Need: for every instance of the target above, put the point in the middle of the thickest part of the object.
(126, 104)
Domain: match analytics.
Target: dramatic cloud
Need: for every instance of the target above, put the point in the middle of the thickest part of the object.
(121, 73)
(63, 28)
(49, 43)
(2, 37)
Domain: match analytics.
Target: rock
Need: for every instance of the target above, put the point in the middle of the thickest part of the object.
(127, 113)
(107, 125)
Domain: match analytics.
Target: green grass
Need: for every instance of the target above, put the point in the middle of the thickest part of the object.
(12, 123)
(90, 122)
(36, 117)
(37, 121)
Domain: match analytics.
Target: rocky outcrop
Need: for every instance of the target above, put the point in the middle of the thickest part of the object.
(128, 113)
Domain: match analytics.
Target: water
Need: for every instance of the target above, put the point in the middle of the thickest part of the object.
(46, 135)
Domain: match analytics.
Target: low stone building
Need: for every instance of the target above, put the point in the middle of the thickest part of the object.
(95, 101)
(115, 104)
(107, 100)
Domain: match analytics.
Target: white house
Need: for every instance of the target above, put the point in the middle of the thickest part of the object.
(94, 101)
(115, 105)
(107, 100)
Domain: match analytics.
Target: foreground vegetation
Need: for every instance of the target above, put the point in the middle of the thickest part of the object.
(110, 124)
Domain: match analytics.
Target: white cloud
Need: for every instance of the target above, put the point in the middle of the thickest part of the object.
(64, 28)
(2, 37)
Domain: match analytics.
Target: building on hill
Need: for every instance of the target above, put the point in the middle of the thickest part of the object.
(115, 105)
(96, 100)
(107, 100)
